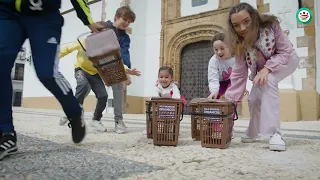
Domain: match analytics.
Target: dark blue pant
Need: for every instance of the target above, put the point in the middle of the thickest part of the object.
(44, 33)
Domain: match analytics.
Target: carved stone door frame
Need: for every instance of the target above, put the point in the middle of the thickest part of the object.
(183, 38)
(178, 31)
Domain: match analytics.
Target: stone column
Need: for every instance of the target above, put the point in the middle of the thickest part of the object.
(309, 98)
(262, 7)
(308, 40)
(228, 3)
(161, 58)
(170, 9)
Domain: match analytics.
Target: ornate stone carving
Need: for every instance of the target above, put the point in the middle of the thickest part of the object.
(196, 16)
(181, 39)
(202, 28)
(161, 46)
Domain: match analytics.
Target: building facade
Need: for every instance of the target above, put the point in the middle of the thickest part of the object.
(177, 33)
(17, 76)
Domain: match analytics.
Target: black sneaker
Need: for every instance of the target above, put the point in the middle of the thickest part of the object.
(78, 127)
(8, 145)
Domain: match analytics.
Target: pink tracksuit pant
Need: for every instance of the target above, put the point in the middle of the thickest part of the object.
(264, 102)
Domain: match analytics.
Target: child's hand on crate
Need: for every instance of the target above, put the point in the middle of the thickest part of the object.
(212, 96)
(223, 97)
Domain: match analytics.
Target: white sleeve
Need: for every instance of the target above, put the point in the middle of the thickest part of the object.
(176, 92)
(213, 75)
(157, 91)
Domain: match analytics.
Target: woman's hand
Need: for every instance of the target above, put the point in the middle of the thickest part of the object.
(212, 96)
(262, 77)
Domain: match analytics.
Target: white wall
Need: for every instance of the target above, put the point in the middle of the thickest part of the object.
(145, 46)
(152, 55)
(138, 46)
(17, 85)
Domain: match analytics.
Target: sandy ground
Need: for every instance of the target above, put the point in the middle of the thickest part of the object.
(188, 160)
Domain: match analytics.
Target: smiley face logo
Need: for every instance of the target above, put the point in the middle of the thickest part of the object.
(304, 16)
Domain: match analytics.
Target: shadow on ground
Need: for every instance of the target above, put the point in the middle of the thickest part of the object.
(42, 159)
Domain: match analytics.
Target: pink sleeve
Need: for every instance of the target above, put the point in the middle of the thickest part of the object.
(239, 77)
(283, 49)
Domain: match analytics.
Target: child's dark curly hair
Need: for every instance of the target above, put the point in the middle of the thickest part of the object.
(166, 68)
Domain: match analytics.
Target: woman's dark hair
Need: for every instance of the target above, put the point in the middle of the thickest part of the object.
(166, 68)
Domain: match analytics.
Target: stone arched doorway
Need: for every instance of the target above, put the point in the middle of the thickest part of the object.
(179, 34)
(194, 70)
(181, 39)
(194, 40)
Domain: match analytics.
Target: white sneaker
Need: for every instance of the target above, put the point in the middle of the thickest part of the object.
(276, 143)
(119, 128)
(98, 125)
(122, 123)
(246, 139)
(145, 132)
(63, 121)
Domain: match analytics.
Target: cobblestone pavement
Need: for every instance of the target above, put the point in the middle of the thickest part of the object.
(43, 159)
(47, 152)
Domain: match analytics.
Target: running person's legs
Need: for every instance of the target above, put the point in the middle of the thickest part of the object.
(45, 42)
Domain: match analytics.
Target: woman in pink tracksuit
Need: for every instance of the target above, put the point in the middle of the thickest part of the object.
(259, 44)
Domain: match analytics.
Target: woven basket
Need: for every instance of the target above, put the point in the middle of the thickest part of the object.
(103, 50)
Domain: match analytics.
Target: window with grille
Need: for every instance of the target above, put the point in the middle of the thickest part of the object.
(196, 3)
(19, 72)
(17, 99)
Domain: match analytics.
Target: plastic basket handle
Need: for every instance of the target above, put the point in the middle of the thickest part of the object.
(149, 110)
(107, 26)
(78, 39)
(235, 111)
(234, 115)
(182, 112)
